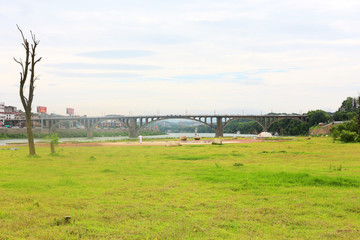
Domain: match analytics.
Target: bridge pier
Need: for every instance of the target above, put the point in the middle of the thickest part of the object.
(219, 127)
(90, 133)
(132, 128)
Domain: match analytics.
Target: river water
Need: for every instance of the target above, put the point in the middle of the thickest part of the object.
(97, 139)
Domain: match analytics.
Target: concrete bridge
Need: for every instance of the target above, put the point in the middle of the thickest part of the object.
(136, 123)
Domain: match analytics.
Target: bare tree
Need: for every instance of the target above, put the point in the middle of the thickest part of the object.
(27, 76)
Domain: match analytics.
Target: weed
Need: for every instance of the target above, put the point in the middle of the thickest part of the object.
(198, 157)
(334, 168)
(238, 164)
(236, 154)
(64, 221)
(107, 171)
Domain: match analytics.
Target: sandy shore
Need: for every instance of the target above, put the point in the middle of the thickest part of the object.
(144, 143)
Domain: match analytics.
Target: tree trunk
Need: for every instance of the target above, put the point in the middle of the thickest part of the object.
(30, 134)
(52, 147)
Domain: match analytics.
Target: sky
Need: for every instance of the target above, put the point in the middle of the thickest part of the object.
(145, 57)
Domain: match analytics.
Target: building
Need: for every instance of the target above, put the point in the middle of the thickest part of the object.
(10, 109)
(8, 113)
(2, 107)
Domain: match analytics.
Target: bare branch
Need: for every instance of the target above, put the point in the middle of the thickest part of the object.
(34, 38)
(22, 35)
(38, 60)
(18, 61)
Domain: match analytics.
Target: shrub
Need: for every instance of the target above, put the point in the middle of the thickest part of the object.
(335, 133)
(238, 164)
(347, 136)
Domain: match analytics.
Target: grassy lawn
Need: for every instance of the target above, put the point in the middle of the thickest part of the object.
(302, 189)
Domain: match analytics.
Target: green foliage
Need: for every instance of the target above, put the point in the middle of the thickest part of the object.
(53, 138)
(346, 111)
(348, 136)
(347, 131)
(290, 127)
(283, 127)
(317, 116)
(238, 165)
(334, 168)
(245, 126)
(335, 133)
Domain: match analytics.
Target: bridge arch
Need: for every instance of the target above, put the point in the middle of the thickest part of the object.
(184, 118)
(53, 127)
(92, 127)
(291, 118)
(266, 121)
(250, 118)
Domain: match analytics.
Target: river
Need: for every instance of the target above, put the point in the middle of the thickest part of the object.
(99, 139)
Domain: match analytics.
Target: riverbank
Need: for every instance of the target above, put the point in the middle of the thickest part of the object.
(20, 133)
(169, 136)
(154, 142)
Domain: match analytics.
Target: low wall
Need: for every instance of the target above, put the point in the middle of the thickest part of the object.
(323, 129)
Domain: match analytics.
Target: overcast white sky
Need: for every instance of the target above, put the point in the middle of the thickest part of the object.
(189, 56)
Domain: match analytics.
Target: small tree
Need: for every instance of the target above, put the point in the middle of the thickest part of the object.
(54, 140)
(27, 76)
(335, 133)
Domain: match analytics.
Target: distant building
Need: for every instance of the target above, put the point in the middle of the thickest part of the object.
(2, 117)
(10, 109)
(9, 112)
(2, 107)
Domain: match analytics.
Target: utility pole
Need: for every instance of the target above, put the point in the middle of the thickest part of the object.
(42, 122)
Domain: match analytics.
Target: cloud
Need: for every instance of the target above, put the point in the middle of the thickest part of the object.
(92, 66)
(246, 77)
(114, 54)
(96, 74)
(162, 38)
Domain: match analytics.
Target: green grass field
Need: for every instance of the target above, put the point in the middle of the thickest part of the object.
(301, 189)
